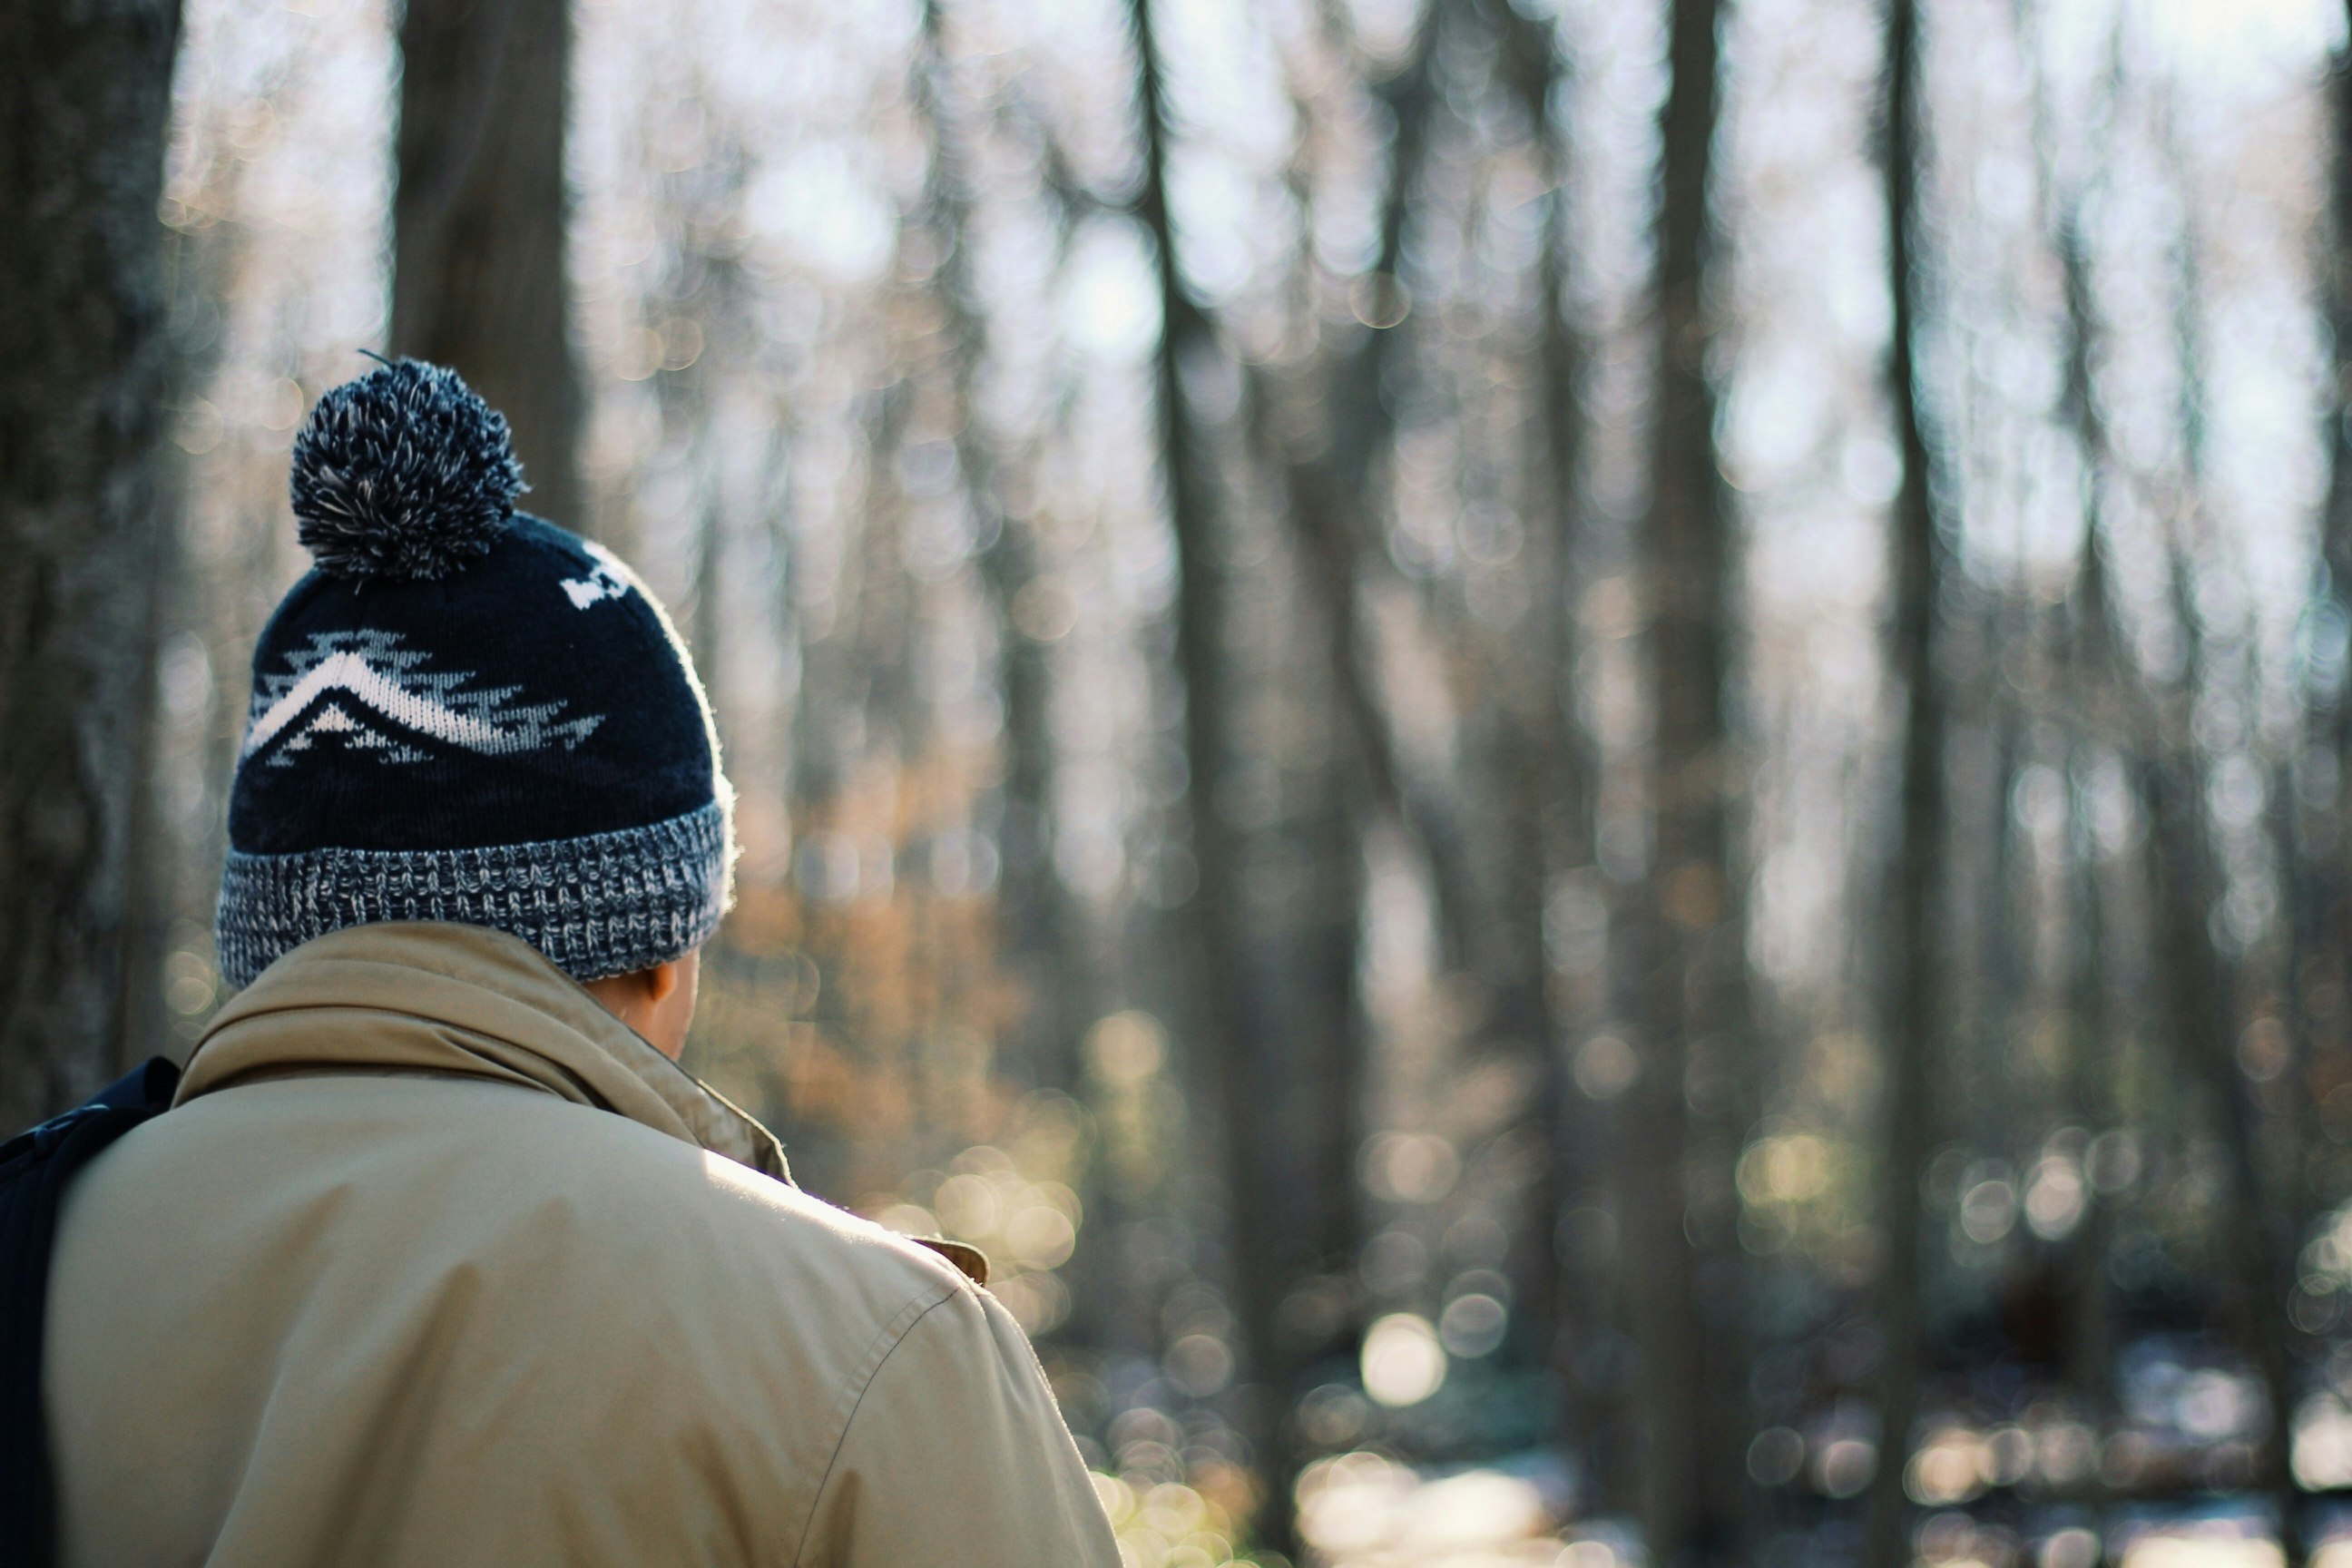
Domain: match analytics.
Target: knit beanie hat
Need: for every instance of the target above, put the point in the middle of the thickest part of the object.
(464, 713)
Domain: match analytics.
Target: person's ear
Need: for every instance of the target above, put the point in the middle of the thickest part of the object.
(635, 997)
(657, 1001)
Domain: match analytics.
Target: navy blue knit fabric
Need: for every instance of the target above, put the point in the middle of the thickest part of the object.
(516, 739)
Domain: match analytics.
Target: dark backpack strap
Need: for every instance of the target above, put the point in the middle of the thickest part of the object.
(35, 1167)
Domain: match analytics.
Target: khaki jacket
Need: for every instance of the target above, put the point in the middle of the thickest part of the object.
(435, 1262)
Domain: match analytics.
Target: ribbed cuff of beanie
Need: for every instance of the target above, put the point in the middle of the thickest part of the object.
(608, 903)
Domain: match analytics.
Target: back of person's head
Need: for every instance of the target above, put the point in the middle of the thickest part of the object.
(464, 713)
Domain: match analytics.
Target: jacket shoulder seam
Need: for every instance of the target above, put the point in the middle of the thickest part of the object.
(884, 1343)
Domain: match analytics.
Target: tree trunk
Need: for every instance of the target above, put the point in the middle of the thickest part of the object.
(1552, 829)
(2089, 1349)
(85, 101)
(1325, 505)
(1914, 1002)
(2156, 734)
(2202, 1013)
(1228, 1022)
(1337, 1031)
(1039, 934)
(2335, 523)
(2186, 873)
(1683, 1277)
(1325, 500)
(478, 276)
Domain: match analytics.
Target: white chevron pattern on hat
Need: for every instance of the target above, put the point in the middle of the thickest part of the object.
(377, 673)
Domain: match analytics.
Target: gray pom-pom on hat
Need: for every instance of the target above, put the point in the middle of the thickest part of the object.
(403, 473)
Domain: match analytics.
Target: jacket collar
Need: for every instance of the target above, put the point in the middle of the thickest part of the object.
(422, 997)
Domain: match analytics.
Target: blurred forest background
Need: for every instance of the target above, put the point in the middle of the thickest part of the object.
(1579, 765)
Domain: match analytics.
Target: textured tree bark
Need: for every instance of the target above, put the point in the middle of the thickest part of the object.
(1233, 1030)
(1915, 996)
(478, 276)
(1681, 1121)
(85, 99)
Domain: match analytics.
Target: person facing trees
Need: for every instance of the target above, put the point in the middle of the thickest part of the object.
(438, 1257)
